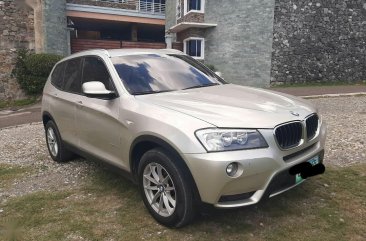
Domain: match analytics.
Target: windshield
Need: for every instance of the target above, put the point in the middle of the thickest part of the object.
(153, 73)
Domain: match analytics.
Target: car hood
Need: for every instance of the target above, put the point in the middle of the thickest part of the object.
(234, 106)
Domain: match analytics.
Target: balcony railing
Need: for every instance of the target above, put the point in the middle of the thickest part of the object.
(152, 6)
(144, 6)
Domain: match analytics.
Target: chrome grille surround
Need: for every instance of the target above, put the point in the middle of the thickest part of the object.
(312, 126)
(289, 135)
(293, 134)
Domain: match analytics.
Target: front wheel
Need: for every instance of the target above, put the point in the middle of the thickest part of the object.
(55, 145)
(165, 192)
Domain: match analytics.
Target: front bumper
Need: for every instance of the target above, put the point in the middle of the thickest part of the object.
(260, 171)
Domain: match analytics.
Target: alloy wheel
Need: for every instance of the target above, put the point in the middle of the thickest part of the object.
(52, 141)
(159, 189)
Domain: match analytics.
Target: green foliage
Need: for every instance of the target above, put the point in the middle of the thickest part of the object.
(32, 70)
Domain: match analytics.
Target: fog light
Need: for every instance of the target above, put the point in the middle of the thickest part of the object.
(232, 169)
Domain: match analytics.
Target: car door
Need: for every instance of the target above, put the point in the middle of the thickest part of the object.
(63, 102)
(98, 126)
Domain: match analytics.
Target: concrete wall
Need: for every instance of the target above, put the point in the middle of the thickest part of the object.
(170, 13)
(316, 41)
(241, 45)
(56, 38)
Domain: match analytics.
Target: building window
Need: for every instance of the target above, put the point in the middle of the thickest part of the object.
(195, 47)
(194, 6)
(179, 9)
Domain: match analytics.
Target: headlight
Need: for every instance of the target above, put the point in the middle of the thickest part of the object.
(215, 140)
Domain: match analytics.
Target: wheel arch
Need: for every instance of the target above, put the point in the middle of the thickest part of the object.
(46, 117)
(144, 143)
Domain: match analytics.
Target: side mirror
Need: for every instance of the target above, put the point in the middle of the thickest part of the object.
(96, 89)
(219, 74)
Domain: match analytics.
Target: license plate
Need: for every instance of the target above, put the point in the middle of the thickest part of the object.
(313, 161)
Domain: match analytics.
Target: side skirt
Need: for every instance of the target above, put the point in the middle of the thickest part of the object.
(105, 163)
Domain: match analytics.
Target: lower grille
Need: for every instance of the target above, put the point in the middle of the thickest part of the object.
(289, 135)
(238, 197)
(312, 124)
(280, 182)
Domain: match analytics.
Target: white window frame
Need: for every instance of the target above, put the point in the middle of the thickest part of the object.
(202, 57)
(194, 11)
(178, 13)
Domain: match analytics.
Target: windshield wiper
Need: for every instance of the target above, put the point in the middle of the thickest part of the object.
(151, 92)
(201, 86)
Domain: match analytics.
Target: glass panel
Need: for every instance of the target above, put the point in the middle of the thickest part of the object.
(193, 48)
(95, 70)
(57, 77)
(72, 80)
(194, 5)
(144, 74)
(198, 5)
(199, 46)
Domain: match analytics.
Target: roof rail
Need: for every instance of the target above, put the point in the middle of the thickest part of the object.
(102, 50)
(106, 52)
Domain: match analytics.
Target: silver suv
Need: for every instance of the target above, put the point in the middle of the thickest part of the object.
(182, 133)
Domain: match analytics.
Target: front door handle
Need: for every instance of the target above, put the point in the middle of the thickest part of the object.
(79, 102)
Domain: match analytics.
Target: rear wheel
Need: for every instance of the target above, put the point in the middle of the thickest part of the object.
(55, 145)
(164, 189)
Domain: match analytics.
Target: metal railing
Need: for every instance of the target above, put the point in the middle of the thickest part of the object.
(146, 6)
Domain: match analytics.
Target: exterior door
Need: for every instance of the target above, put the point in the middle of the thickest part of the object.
(68, 84)
(99, 129)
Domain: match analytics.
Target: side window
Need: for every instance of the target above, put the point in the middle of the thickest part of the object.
(72, 79)
(95, 70)
(57, 77)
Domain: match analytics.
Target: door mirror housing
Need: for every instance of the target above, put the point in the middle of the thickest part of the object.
(219, 74)
(96, 89)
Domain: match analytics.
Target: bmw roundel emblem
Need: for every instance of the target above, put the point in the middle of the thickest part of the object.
(294, 113)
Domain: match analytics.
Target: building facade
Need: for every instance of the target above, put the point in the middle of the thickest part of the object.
(270, 42)
(251, 42)
(115, 24)
(233, 36)
(68, 26)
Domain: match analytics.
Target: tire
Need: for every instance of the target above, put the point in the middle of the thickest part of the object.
(174, 187)
(57, 150)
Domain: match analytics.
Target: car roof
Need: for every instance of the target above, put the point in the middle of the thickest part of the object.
(123, 52)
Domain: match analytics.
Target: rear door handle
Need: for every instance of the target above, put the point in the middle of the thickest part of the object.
(79, 102)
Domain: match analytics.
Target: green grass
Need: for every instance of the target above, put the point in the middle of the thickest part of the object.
(9, 173)
(107, 207)
(5, 104)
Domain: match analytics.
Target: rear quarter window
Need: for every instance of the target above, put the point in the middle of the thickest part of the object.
(57, 77)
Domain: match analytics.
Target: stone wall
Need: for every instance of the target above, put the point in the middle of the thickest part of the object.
(16, 31)
(315, 41)
(241, 45)
(192, 17)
